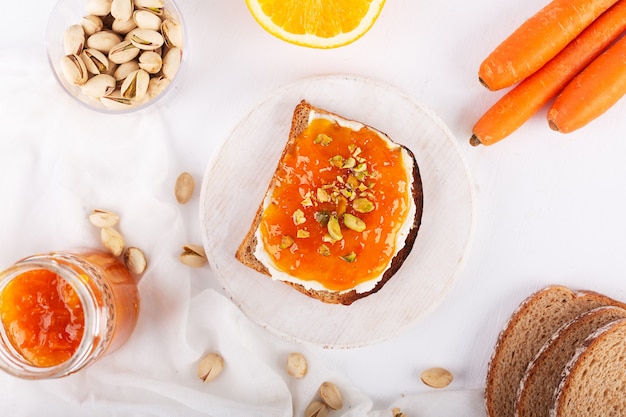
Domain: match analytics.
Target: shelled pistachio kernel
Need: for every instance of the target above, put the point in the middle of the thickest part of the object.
(193, 255)
(437, 377)
(296, 365)
(135, 260)
(183, 189)
(316, 409)
(331, 395)
(210, 367)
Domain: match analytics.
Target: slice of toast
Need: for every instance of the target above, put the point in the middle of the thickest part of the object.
(254, 253)
(534, 322)
(593, 381)
(543, 376)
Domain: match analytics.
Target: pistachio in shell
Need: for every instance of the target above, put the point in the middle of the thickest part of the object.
(135, 260)
(210, 367)
(115, 101)
(122, 71)
(145, 19)
(95, 61)
(331, 395)
(103, 218)
(99, 86)
(316, 409)
(151, 62)
(74, 70)
(135, 86)
(91, 24)
(155, 6)
(172, 33)
(123, 26)
(98, 7)
(122, 9)
(146, 39)
(74, 39)
(103, 41)
(193, 256)
(112, 240)
(183, 188)
(123, 52)
(436, 377)
(171, 62)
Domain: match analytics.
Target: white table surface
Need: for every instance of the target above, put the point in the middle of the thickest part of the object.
(549, 209)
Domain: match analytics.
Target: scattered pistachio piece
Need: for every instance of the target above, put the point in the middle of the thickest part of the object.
(351, 257)
(103, 218)
(302, 234)
(322, 139)
(296, 365)
(316, 409)
(331, 395)
(437, 377)
(362, 205)
(286, 242)
(112, 240)
(135, 260)
(334, 229)
(193, 255)
(323, 250)
(298, 217)
(210, 367)
(353, 223)
(336, 161)
(184, 187)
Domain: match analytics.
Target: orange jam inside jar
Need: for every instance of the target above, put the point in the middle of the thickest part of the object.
(62, 311)
(335, 174)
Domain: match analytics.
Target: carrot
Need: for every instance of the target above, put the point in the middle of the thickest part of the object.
(517, 106)
(592, 92)
(538, 40)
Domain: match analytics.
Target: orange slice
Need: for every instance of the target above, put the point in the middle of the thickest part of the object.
(316, 23)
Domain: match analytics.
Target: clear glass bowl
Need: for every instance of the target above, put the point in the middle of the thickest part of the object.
(70, 12)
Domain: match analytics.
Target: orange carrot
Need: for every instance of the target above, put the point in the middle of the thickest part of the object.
(538, 40)
(592, 92)
(525, 99)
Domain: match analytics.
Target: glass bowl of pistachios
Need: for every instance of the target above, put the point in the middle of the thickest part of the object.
(116, 56)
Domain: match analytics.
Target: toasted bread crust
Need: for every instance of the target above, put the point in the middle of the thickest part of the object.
(245, 252)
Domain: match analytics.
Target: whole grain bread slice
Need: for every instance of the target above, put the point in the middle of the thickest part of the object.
(246, 250)
(529, 328)
(543, 376)
(594, 381)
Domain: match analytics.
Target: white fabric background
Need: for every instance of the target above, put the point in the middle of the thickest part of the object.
(549, 209)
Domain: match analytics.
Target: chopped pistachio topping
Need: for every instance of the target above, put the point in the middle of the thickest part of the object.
(322, 218)
(323, 250)
(302, 234)
(286, 242)
(362, 205)
(351, 257)
(336, 161)
(353, 223)
(334, 228)
(298, 217)
(322, 139)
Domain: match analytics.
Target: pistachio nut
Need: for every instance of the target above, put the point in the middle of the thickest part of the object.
(123, 26)
(436, 377)
(115, 101)
(171, 62)
(95, 61)
(135, 86)
(123, 52)
(146, 39)
(135, 260)
(193, 255)
(155, 6)
(183, 189)
(150, 61)
(103, 218)
(296, 365)
(112, 240)
(74, 39)
(145, 19)
(353, 223)
(124, 69)
(172, 33)
(99, 86)
(157, 85)
(331, 395)
(98, 7)
(316, 409)
(122, 9)
(103, 41)
(74, 70)
(91, 24)
(210, 367)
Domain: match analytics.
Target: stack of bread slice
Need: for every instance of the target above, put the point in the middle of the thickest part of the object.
(562, 353)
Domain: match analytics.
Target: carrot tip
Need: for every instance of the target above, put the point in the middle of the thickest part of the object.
(483, 83)
(474, 141)
(553, 125)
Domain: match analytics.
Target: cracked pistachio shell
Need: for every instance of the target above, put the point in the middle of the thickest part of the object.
(99, 86)
(171, 62)
(91, 24)
(74, 39)
(122, 9)
(103, 41)
(146, 39)
(157, 85)
(74, 70)
(115, 101)
(145, 19)
(155, 6)
(135, 86)
(123, 26)
(172, 33)
(150, 62)
(123, 52)
(124, 69)
(98, 7)
(95, 61)
(331, 396)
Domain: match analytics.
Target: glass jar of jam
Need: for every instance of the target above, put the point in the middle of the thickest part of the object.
(62, 311)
